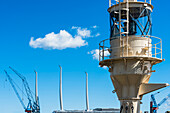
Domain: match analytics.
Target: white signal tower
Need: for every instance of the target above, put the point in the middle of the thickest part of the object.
(130, 52)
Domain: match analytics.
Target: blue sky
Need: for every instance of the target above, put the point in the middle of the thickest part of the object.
(20, 20)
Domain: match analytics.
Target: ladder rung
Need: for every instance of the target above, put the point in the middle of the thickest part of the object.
(124, 20)
(116, 12)
(125, 9)
(121, 21)
(124, 32)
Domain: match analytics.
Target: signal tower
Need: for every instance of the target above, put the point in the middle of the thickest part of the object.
(130, 52)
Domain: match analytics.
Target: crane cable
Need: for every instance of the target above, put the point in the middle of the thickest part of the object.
(19, 88)
(5, 82)
(161, 90)
(22, 92)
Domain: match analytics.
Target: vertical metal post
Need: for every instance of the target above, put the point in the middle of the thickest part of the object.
(121, 46)
(150, 1)
(148, 46)
(155, 50)
(99, 52)
(87, 96)
(103, 51)
(61, 99)
(161, 49)
(151, 107)
(120, 18)
(127, 13)
(110, 3)
(36, 88)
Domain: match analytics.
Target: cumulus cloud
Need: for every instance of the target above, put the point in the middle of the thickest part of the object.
(84, 32)
(61, 40)
(95, 53)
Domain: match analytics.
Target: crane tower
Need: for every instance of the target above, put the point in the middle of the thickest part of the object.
(131, 52)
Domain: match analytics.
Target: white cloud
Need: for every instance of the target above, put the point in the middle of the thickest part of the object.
(63, 39)
(74, 27)
(104, 67)
(84, 32)
(98, 34)
(94, 26)
(95, 53)
(60, 41)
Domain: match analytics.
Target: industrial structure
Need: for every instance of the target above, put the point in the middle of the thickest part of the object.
(131, 52)
(97, 110)
(33, 104)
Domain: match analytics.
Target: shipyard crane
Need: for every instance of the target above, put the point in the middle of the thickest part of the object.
(153, 104)
(27, 109)
(32, 105)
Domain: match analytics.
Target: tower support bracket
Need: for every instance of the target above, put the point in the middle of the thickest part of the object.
(149, 87)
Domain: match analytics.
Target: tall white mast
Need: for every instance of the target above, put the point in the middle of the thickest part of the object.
(36, 88)
(87, 96)
(36, 93)
(61, 99)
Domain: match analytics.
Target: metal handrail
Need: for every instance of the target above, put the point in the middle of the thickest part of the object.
(117, 2)
(156, 48)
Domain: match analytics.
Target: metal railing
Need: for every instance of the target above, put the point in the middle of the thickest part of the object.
(152, 50)
(113, 2)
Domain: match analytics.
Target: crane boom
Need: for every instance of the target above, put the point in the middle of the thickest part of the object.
(13, 86)
(33, 105)
(154, 100)
(156, 106)
(26, 86)
(165, 99)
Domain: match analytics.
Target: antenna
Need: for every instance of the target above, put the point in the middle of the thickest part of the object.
(61, 99)
(87, 97)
